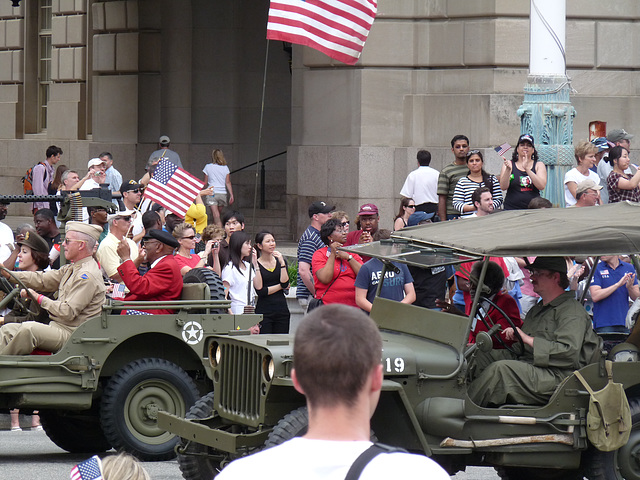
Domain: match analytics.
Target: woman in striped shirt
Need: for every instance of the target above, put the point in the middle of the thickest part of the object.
(476, 177)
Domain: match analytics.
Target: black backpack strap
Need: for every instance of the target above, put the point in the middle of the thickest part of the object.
(365, 457)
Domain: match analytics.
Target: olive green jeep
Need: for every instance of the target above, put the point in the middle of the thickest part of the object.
(424, 406)
(105, 386)
(103, 389)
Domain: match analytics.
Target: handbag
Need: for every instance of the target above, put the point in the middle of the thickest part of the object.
(317, 302)
(609, 415)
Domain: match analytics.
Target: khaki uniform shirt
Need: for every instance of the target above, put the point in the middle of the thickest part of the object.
(81, 291)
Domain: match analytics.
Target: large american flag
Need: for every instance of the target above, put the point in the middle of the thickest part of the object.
(88, 470)
(173, 188)
(337, 28)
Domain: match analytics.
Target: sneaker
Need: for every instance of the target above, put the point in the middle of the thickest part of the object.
(37, 429)
(16, 429)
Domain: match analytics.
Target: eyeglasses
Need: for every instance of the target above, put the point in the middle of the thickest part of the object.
(536, 272)
(190, 237)
(344, 224)
(137, 190)
(411, 206)
(473, 152)
(146, 242)
(126, 218)
(69, 240)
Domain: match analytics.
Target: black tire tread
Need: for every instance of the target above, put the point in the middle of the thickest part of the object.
(75, 432)
(111, 408)
(211, 278)
(293, 424)
(197, 467)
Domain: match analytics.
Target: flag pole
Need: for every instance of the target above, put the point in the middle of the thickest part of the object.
(255, 189)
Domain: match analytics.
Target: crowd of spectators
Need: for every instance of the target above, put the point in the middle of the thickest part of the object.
(255, 274)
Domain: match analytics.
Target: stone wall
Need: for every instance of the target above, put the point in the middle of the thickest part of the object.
(432, 69)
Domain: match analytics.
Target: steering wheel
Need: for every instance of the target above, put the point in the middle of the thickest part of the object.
(14, 293)
(486, 320)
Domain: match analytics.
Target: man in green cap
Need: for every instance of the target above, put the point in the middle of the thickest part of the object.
(558, 338)
(81, 294)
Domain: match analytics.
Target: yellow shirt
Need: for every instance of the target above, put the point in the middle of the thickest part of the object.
(197, 216)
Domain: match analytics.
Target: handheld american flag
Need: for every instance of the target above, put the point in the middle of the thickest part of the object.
(502, 149)
(90, 469)
(173, 188)
(337, 28)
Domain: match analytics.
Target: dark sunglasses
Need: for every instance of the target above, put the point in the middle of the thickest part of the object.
(126, 219)
(344, 224)
(473, 152)
(190, 237)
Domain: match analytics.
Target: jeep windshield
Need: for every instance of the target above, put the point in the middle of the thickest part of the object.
(589, 231)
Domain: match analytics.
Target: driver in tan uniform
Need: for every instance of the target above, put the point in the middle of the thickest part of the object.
(81, 293)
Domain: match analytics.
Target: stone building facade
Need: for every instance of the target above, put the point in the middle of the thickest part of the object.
(115, 75)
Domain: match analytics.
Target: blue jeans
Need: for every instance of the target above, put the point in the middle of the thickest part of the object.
(612, 329)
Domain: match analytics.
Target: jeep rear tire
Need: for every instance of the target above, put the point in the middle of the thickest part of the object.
(131, 400)
(204, 275)
(294, 424)
(199, 461)
(623, 463)
(75, 432)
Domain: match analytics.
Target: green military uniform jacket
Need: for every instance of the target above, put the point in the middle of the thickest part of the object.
(81, 291)
(563, 341)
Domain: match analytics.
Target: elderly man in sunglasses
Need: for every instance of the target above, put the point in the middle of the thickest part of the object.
(81, 293)
(107, 254)
(163, 281)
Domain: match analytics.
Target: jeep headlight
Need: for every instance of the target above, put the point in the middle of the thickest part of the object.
(268, 368)
(215, 354)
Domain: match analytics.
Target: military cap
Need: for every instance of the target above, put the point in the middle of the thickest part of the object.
(93, 231)
(34, 242)
(162, 236)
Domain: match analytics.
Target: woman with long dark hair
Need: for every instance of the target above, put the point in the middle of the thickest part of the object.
(237, 274)
(477, 177)
(407, 207)
(620, 185)
(524, 176)
(270, 281)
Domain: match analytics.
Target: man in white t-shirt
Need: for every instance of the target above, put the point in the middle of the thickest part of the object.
(6, 235)
(337, 366)
(422, 185)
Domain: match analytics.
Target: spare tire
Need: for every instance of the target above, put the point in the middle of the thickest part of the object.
(211, 278)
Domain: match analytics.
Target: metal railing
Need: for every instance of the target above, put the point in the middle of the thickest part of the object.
(263, 200)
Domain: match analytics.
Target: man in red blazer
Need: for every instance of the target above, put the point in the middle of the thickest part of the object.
(163, 281)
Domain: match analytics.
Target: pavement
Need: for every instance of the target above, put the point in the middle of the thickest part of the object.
(29, 455)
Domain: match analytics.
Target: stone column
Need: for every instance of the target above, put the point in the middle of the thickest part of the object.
(546, 112)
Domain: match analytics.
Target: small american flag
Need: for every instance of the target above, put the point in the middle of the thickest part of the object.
(502, 149)
(118, 291)
(88, 470)
(173, 188)
(337, 28)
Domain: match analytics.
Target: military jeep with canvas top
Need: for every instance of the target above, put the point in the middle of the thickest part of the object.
(424, 406)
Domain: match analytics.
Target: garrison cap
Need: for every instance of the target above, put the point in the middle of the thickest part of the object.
(34, 242)
(93, 231)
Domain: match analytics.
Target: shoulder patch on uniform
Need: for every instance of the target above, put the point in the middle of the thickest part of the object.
(84, 276)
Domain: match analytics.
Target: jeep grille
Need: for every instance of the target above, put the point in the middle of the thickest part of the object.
(240, 381)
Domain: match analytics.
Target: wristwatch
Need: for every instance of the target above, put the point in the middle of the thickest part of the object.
(349, 258)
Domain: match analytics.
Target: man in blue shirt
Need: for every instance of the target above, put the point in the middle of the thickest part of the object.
(613, 283)
(397, 286)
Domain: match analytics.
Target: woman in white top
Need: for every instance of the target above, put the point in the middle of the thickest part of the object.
(585, 157)
(237, 275)
(216, 175)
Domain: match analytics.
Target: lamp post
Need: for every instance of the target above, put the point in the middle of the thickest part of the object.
(546, 112)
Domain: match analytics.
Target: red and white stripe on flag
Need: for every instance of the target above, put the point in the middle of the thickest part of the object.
(173, 188)
(337, 28)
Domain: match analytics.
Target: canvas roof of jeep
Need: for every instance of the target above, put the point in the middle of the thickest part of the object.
(589, 231)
